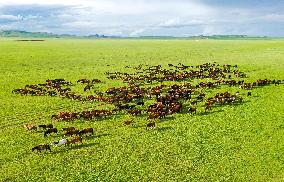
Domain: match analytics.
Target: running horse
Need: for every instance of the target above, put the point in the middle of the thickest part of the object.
(74, 140)
(49, 131)
(41, 148)
(85, 131)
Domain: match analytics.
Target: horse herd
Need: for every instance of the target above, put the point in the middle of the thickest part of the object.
(75, 134)
(152, 91)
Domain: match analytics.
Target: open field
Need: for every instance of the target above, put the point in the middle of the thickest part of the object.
(236, 143)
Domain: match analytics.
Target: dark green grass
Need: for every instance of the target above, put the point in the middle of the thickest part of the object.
(232, 143)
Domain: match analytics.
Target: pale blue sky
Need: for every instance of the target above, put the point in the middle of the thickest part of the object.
(145, 17)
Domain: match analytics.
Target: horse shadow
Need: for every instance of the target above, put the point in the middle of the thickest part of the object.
(165, 119)
(210, 112)
(95, 119)
(82, 146)
(140, 115)
(160, 129)
(89, 137)
(76, 147)
(40, 131)
(232, 104)
(241, 103)
(102, 135)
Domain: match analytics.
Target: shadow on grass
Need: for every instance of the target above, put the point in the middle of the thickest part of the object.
(89, 137)
(253, 96)
(160, 129)
(232, 104)
(210, 112)
(40, 131)
(95, 119)
(101, 135)
(74, 147)
(165, 119)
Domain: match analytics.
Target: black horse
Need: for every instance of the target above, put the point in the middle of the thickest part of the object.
(43, 126)
(41, 147)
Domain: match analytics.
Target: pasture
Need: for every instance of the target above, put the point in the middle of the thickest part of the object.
(243, 142)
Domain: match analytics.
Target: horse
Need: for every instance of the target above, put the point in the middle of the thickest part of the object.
(140, 103)
(128, 122)
(208, 107)
(71, 132)
(249, 94)
(134, 112)
(49, 131)
(68, 129)
(45, 126)
(192, 110)
(85, 131)
(60, 142)
(151, 125)
(88, 87)
(30, 127)
(41, 147)
(74, 140)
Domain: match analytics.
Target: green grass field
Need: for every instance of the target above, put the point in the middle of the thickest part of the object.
(239, 143)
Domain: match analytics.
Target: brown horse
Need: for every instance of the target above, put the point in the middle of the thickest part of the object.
(71, 132)
(68, 129)
(30, 127)
(134, 112)
(128, 122)
(208, 107)
(151, 125)
(74, 140)
(41, 147)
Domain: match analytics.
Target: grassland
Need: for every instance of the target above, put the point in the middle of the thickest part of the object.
(238, 143)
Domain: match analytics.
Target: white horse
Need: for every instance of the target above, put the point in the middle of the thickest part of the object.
(60, 142)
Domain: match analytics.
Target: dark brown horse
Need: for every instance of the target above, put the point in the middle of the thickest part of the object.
(88, 87)
(85, 131)
(49, 131)
(208, 107)
(192, 110)
(128, 122)
(134, 112)
(68, 129)
(249, 94)
(71, 132)
(41, 147)
(151, 125)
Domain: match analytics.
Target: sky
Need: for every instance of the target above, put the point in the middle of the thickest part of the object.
(145, 17)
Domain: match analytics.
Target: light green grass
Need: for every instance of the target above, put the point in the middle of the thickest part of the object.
(241, 143)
